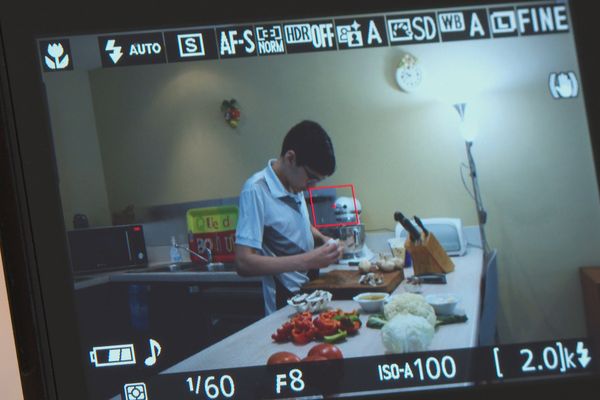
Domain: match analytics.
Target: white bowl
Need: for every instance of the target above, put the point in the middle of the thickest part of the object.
(443, 303)
(371, 302)
(315, 301)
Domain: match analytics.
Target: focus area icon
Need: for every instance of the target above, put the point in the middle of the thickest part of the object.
(135, 391)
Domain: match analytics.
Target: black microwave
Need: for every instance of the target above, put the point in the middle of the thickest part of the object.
(107, 248)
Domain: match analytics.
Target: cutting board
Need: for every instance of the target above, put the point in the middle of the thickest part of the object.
(343, 284)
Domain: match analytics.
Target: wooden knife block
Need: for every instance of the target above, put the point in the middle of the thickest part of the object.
(429, 257)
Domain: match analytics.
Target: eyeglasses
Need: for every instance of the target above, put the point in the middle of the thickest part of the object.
(312, 177)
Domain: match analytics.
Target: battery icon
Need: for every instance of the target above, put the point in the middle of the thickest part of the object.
(109, 356)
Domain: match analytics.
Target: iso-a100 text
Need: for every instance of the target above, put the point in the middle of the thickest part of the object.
(422, 369)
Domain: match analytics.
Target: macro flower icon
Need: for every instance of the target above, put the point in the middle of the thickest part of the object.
(55, 50)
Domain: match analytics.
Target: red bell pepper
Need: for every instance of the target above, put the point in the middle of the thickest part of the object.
(302, 337)
(326, 325)
(350, 324)
(283, 333)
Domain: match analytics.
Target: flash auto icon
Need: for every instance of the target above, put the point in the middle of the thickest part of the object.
(135, 391)
(563, 85)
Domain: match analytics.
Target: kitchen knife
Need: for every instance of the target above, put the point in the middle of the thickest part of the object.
(414, 234)
(420, 223)
(432, 278)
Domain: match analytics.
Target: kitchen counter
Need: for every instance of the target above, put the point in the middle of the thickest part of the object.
(235, 351)
(155, 273)
(183, 276)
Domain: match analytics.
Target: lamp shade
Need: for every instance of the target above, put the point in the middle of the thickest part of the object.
(468, 129)
(468, 125)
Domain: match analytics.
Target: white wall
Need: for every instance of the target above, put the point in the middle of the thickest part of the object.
(163, 140)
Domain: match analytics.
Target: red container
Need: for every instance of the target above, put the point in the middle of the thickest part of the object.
(222, 245)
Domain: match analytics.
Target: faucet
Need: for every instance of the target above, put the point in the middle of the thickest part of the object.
(208, 252)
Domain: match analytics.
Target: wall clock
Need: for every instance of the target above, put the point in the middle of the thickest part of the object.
(409, 74)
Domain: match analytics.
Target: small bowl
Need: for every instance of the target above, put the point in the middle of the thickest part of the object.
(413, 286)
(314, 302)
(443, 303)
(371, 302)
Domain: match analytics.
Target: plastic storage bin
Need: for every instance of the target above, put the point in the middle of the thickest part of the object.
(212, 227)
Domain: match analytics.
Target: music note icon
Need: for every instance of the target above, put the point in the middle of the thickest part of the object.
(154, 353)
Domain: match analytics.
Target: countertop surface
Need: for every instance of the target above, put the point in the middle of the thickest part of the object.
(235, 351)
(157, 273)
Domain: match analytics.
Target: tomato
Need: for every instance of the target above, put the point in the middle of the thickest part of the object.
(326, 350)
(283, 357)
(315, 357)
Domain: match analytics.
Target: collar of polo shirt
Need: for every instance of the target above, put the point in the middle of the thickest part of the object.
(275, 185)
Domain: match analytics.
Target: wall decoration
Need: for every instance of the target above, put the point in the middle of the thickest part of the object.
(231, 112)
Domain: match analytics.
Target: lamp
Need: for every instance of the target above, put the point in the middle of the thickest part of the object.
(468, 130)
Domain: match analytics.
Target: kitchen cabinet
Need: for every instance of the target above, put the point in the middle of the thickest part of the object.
(184, 317)
(100, 310)
(104, 320)
(221, 303)
(231, 308)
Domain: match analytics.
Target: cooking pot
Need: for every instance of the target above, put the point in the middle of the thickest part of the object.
(353, 238)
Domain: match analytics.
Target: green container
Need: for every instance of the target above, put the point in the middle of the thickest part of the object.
(212, 219)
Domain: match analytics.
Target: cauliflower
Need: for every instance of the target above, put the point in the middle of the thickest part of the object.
(409, 303)
(406, 333)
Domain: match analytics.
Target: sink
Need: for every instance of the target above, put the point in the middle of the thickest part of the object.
(219, 266)
(190, 267)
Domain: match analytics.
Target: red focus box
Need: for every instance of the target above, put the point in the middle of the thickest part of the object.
(312, 206)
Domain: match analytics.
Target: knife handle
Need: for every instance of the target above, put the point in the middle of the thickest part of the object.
(413, 233)
(398, 216)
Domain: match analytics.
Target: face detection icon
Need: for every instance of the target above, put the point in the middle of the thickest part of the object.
(350, 34)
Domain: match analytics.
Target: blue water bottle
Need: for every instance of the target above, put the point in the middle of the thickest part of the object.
(407, 260)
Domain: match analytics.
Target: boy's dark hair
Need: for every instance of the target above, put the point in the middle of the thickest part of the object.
(312, 146)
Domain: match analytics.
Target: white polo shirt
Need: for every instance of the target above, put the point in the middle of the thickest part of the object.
(276, 223)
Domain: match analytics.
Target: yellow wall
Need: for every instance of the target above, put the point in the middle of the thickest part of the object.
(168, 120)
(78, 156)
